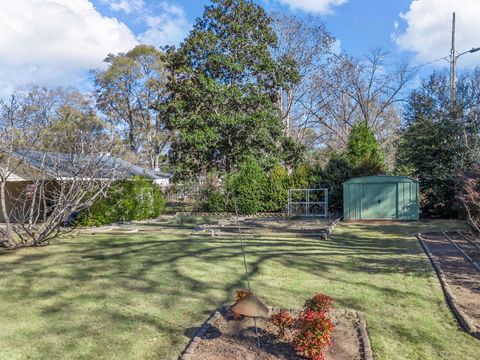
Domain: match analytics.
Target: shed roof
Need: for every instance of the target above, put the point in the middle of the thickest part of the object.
(380, 179)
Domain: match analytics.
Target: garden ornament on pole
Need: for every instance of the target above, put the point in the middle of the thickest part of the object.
(249, 305)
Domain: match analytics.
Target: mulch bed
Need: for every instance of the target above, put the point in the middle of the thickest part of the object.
(459, 277)
(224, 338)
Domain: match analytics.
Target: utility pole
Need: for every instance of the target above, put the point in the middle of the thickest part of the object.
(453, 59)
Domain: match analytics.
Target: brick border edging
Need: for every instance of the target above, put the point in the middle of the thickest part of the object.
(188, 352)
(364, 339)
(361, 329)
(465, 322)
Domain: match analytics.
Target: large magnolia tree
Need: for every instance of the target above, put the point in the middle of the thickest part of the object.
(225, 85)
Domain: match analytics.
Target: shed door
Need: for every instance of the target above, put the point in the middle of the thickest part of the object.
(379, 201)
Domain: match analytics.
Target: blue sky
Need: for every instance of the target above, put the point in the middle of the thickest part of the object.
(56, 42)
(360, 25)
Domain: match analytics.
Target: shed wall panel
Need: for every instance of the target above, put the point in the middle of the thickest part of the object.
(381, 198)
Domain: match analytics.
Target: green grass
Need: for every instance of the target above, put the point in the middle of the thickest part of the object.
(140, 296)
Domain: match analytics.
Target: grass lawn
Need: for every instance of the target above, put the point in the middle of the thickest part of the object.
(140, 296)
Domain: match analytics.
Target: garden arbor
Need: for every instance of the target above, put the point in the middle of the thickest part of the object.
(308, 202)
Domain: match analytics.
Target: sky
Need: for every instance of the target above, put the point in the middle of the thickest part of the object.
(57, 42)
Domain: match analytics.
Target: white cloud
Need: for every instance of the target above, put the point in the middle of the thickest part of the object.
(314, 6)
(126, 6)
(167, 28)
(428, 30)
(54, 42)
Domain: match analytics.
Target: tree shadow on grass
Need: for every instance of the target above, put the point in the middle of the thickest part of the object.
(168, 285)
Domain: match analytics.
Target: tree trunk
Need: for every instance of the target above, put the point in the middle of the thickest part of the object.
(7, 234)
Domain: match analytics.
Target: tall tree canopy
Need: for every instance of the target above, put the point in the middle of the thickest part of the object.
(131, 93)
(225, 84)
(440, 140)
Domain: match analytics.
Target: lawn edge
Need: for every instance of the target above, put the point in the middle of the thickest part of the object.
(465, 322)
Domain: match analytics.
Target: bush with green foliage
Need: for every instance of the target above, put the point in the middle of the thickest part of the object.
(301, 177)
(136, 199)
(211, 194)
(276, 189)
(214, 202)
(332, 177)
(247, 187)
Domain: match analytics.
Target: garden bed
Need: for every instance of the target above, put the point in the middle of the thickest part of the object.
(271, 227)
(459, 277)
(223, 338)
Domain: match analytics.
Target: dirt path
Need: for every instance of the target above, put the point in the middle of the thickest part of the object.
(460, 274)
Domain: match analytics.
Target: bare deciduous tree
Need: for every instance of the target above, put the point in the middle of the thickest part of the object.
(49, 170)
(63, 185)
(349, 90)
(469, 196)
(307, 43)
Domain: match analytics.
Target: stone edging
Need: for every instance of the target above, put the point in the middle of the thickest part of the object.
(364, 339)
(188, 352)
(463, 319)
(362, 329)
(331, 227)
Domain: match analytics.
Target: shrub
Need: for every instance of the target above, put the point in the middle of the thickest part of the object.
(136, 199)
(276, 191)
(184, 218)
(301, 177)
(214, 202)
(247, 187)
(315, 332)
(282, 320)
(211, 197)
(369, 167)
(336, 172)
(319, 303)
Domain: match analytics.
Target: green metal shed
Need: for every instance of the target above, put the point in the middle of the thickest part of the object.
(381, 198)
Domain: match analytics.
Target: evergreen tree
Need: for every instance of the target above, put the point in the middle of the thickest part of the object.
(247, 187)
(225, 85)
(435, 142)
(362, 147)
(336, 172)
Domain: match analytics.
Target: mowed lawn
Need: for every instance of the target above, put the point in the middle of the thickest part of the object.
(140, 296)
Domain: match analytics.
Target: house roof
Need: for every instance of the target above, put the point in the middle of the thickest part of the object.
(61, 165)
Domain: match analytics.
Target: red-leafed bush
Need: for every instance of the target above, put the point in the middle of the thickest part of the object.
(282, 320)
(319, 303)
(314, 333)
